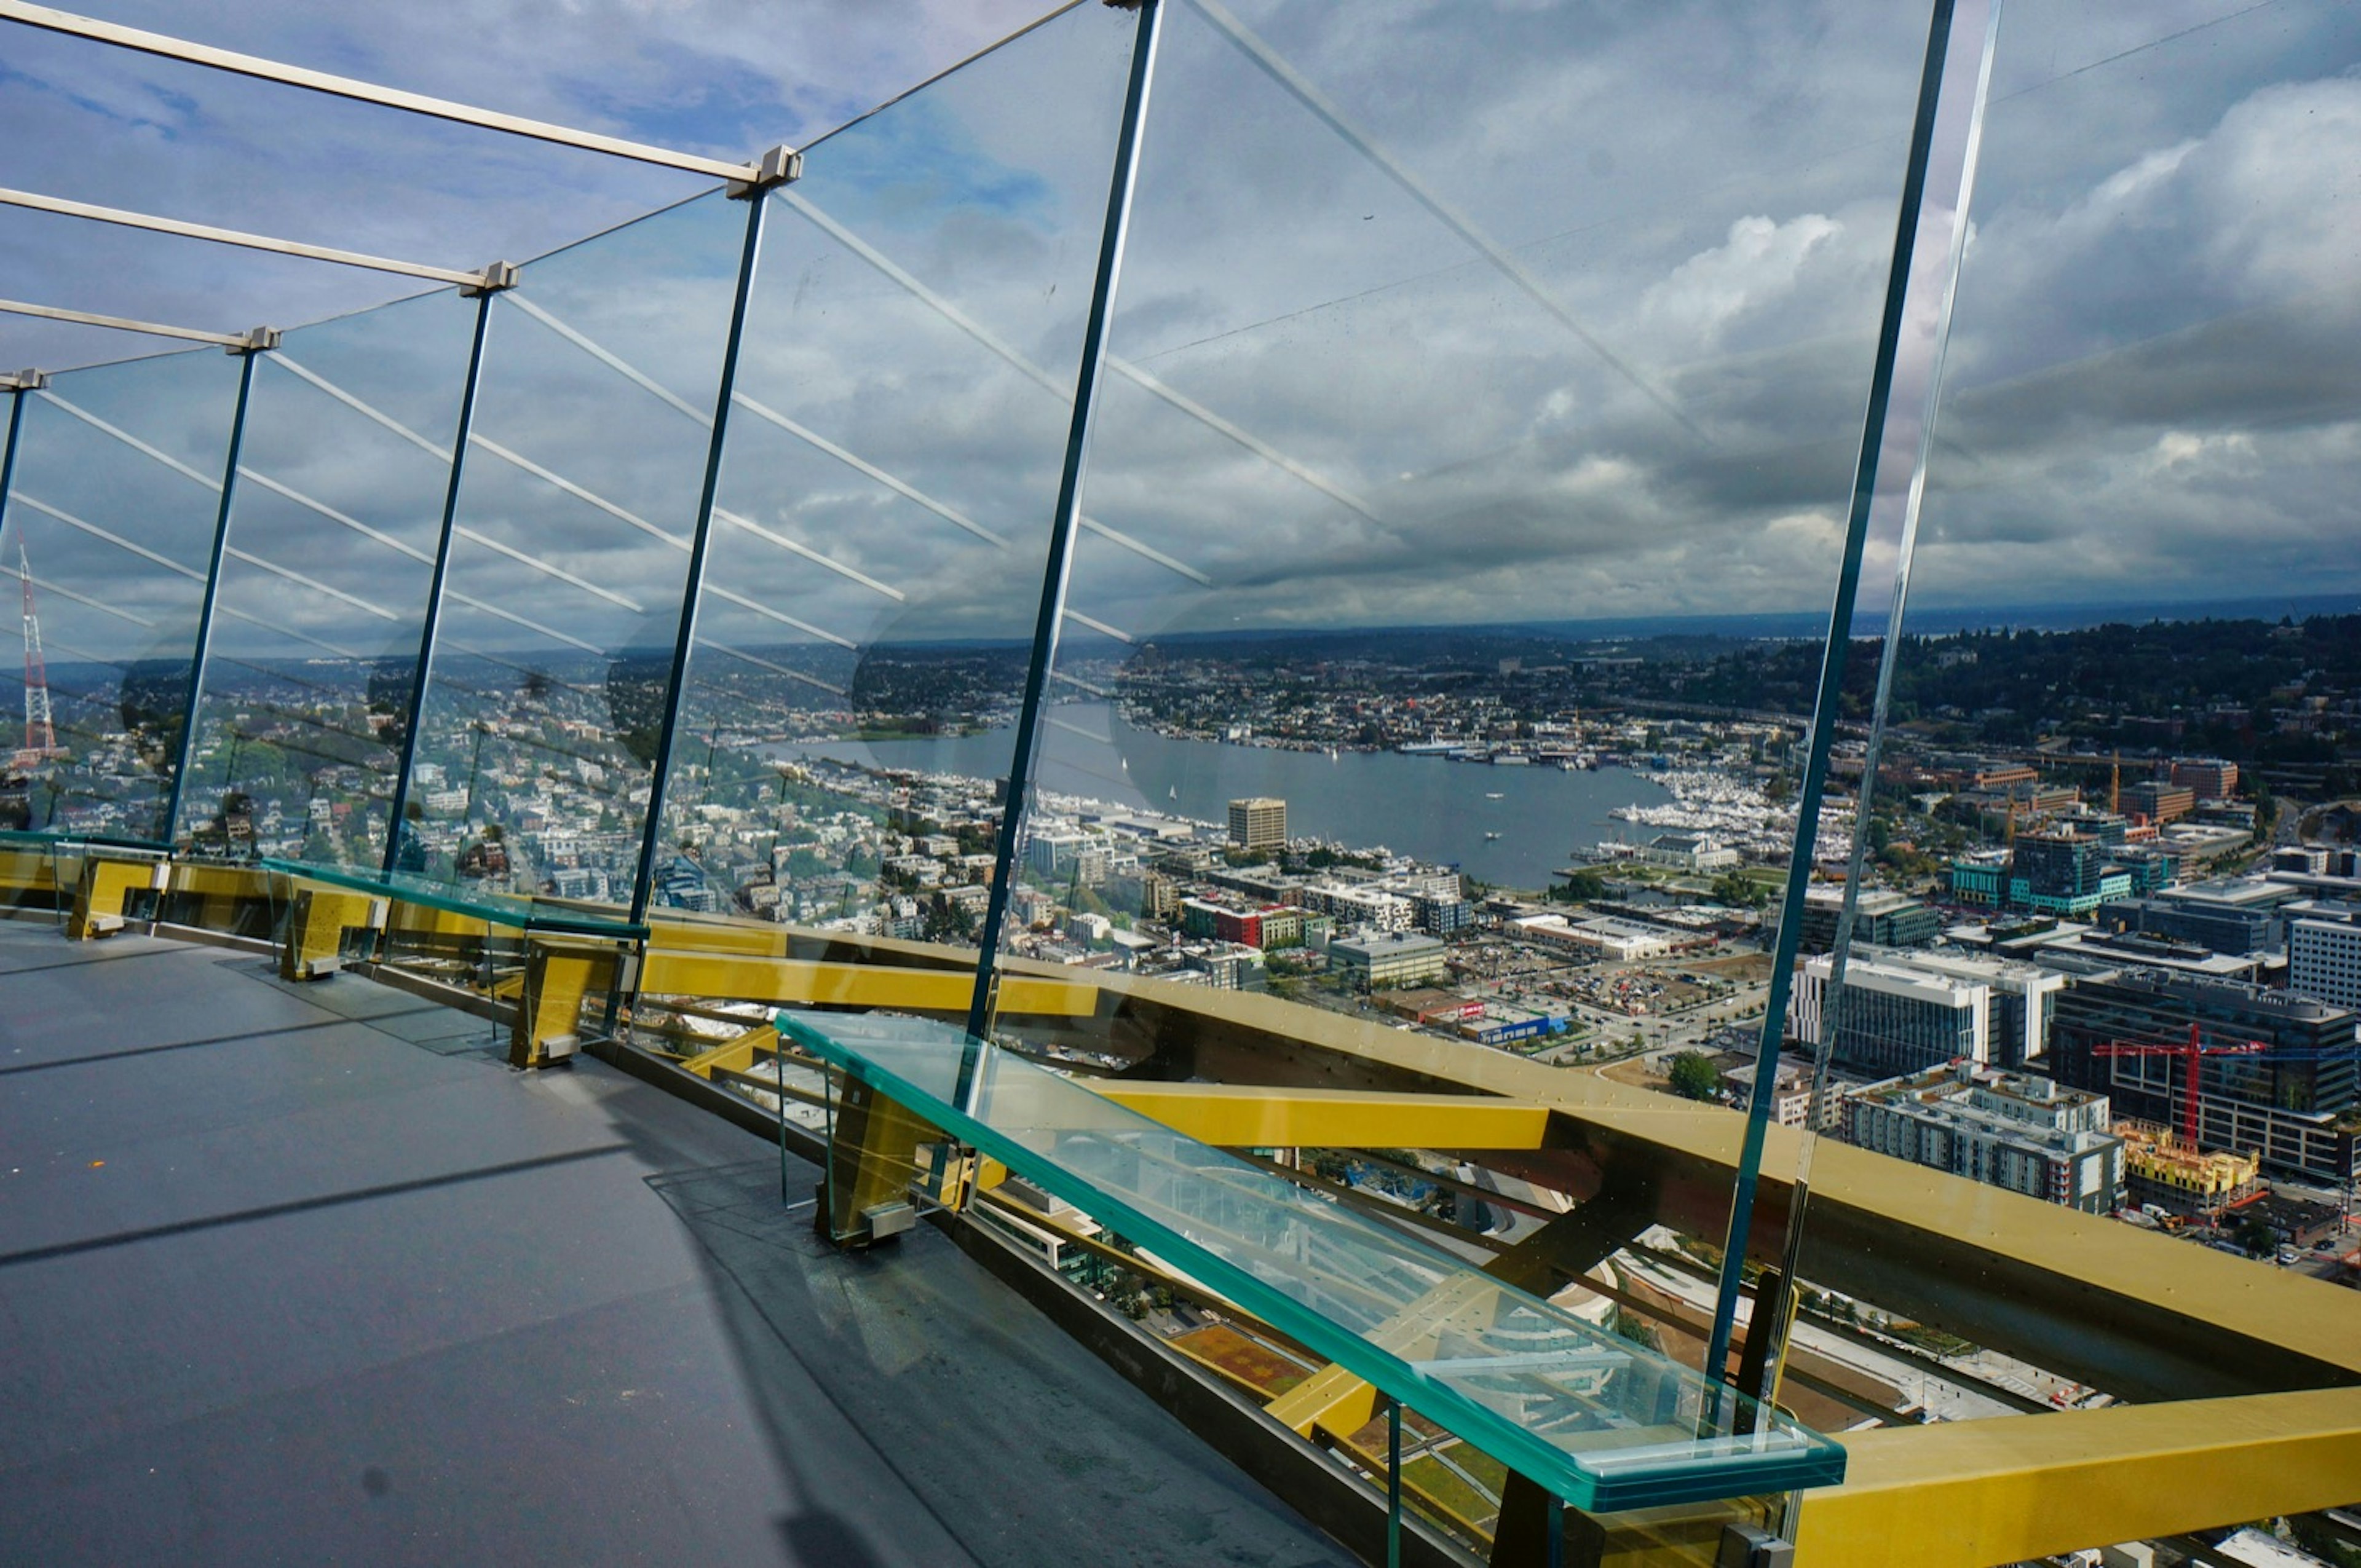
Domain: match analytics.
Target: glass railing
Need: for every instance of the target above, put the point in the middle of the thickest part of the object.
(1594, 1418)
(1490, 418)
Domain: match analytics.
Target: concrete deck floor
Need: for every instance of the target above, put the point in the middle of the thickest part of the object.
(308, 1275)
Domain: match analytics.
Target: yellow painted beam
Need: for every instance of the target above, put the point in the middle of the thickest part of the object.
(1233, 1116)
(1969, 1493)
(733, 1054)
(215, 881)
(99, 898)
(746, 978)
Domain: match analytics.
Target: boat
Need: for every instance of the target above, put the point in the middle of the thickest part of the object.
(1491, 795)
(1489, 837)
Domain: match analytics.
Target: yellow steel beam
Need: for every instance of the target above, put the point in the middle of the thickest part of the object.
(1233, 1115)
(216, 881)
(98, 900)
(733, 1054)
(561, 974)
(1969, 1493)
(316, 924)
(2009, 1271)
(748, 978)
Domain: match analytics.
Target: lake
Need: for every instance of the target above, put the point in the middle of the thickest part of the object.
(1426, 806)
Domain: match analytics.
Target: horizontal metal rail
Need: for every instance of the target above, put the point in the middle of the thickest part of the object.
(37, 202)
(262, 69)
(121, 323)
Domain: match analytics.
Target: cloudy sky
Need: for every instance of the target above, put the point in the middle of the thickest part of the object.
(1433, 311)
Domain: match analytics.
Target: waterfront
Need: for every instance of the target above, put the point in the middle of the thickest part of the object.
(1426, 806)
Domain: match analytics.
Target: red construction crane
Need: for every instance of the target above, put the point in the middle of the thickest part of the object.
(2193, 1051)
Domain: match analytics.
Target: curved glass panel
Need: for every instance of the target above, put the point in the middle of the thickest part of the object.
(2131, 631)
(552, 667)
(112, 510)
(343, 473)
(902, 402)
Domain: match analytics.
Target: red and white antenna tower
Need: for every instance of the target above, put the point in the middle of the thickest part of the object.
(41, 734)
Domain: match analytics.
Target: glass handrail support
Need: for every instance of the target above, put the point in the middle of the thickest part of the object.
(1595, 1419)
(519, 911)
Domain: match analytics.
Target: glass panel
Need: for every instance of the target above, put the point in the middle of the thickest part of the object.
(112, 509)
(1440, 474)
(2130, 639)
(1376, 372)
(893, 462)
(1592, 1416)
(331, 549)
(547, 687)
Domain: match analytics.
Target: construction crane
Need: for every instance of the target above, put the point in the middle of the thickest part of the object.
(2193, 1051)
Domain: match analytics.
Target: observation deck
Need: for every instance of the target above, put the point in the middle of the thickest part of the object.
(305, 1273)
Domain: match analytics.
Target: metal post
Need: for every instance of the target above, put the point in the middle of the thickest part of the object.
(1393, 1484)
(431, 624)
(758, 202)
(1057, 568)
(213, 594)
(1825, 705)
(1781, 1326)
(8, 457)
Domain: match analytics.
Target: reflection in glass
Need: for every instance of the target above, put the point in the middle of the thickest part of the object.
(324, 573)
(901, 411)
(112, 509)
(547, 686)
(1437, 469)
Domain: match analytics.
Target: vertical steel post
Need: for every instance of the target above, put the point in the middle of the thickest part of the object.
(1393, 1484)
(171, 823)
(1058, 566)
(430, 627)
(758, 202)
(8, 457)
(1840, 949)
(1825, 705)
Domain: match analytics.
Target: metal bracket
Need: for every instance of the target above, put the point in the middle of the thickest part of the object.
(780, 166)
(26, 382)
(257, 340)
(494, 278)
(1744, 1546)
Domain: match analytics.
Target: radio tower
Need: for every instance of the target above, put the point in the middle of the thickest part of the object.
(41, 734)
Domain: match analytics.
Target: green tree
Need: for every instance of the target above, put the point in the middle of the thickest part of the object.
(1693, 1075)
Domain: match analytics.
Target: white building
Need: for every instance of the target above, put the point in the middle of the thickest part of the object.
(1894, 1018)
(2324, 955)
(2027, 1134)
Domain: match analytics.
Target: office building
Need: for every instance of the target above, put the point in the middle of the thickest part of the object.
(2158, 803)
(1891, 1019)
(2236, 916)
(2324, 955)
(1258, 822)
(2208, 778)
(1881, 917)
(2025, 1134)
(1385, 963)
(2021, 997)
(2297, 1104)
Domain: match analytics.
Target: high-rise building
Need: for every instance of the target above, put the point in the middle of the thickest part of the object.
(1258, 822)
